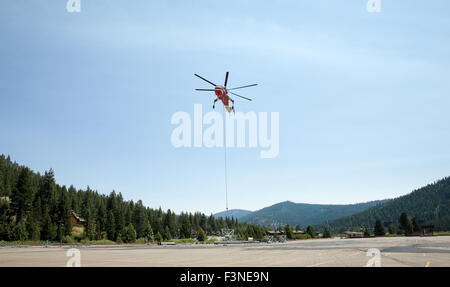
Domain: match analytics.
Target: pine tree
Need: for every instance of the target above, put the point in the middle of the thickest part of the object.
(36, 212)
(405, 223)
(22, 195)
(2, 175)
(5, 231)
(74, 200)
(102, 215)
(186, 229)
(203, 222)
(310, 230)
(19, 232)
(326, 233)
(211, 224)
(49, 229)
(47, 190)
(8, 178)
(128, 212)
(158, 238)
(129, 234)
(64, 214)
(170, 221)
(366, 232)
(91, 228)
(5, 219)
(167, 235)
(288, 231)
(415, 225)
(33, 229)
(259, 233)
(173, 224)
(379, 228)
(140, 219)
(119, 214)
(111, 226)
(60, 232)
(148, 232)
(201, 235)
(392, 229)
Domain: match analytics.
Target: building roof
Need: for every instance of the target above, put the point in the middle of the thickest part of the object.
(79, 219)
(275, 232)
(354, 232)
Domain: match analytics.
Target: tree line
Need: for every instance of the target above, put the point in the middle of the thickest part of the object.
(35, 207)
(429, 205)
(407, 225)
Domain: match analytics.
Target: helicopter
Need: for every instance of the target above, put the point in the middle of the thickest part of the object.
(222, 92)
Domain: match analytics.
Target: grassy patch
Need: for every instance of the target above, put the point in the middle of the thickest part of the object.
(394, 235)
(77, 230)
(301, 236)
(101, 242)
(27, 242)
(442, 233)
(142, 240)
(211, 240)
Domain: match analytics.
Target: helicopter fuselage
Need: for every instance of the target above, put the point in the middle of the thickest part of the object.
(222, 94)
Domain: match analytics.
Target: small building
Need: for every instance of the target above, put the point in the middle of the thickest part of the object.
(275, 232)
(354, 234)
(77, 220)
(427, 230)
(296, 232)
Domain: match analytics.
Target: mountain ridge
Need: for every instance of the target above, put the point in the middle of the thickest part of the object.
(303, 214)
(430, 205)
(236, 213)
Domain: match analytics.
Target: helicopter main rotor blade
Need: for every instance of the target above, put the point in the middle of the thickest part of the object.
(205, 80)
(243, 87)
(226, 80)
(209, 90)
(241, 96)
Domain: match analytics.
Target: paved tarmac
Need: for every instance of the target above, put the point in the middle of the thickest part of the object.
(393, 251)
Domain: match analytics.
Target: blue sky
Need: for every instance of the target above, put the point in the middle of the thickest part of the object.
(363, 97)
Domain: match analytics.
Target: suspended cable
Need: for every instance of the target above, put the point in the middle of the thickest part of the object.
(225, 155)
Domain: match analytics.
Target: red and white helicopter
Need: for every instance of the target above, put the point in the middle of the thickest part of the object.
(222, 92)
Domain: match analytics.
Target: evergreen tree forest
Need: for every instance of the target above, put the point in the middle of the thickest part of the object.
(429, 205)
(34, 207)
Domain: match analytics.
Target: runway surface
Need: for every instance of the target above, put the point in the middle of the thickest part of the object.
(394, 251)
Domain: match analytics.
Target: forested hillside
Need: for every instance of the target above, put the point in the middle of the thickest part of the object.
(303, 214)
(428, 205)
(34, 207)
(236, 213)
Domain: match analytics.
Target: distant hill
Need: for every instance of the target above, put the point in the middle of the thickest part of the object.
(429, 205)
(236, 213)
(303, 214)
